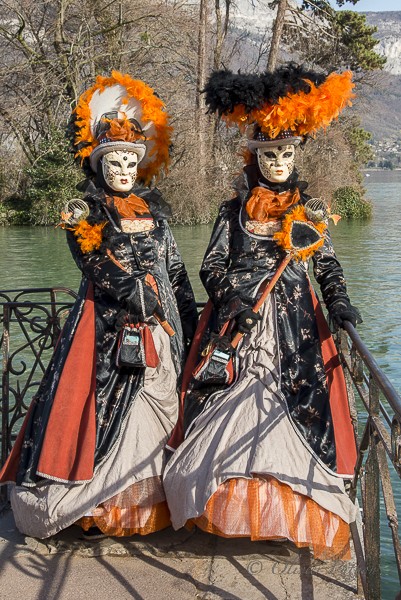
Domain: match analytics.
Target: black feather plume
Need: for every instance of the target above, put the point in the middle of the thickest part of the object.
(225, 90)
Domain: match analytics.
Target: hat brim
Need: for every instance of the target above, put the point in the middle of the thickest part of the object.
(102, 149)
(290, 141)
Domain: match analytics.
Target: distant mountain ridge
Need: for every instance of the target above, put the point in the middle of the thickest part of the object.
(258, 18)
(380, 106)
(389, 35)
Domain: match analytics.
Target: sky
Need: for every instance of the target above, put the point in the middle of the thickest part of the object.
(370, 5)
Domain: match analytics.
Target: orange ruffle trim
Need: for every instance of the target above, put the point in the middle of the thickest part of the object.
(119, 523)
(131, 206)
(140, 509)
(266, 509)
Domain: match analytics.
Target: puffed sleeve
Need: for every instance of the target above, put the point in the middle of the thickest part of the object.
(182, 288)
(329, 274)
(104, 273)
(226, 298)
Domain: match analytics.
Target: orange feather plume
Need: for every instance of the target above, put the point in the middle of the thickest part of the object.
(89, 237)
(302, 113)
(123, 129)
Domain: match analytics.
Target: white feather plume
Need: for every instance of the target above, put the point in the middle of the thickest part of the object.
(114, 98)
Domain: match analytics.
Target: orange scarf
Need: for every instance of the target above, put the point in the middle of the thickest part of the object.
(265, 205)
(130, 207)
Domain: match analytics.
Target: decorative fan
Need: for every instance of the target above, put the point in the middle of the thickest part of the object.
(317, 210)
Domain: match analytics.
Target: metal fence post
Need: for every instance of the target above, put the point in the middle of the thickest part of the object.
(371, 503)
(5, 394)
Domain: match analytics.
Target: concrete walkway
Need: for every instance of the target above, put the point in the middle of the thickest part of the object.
(167, 565)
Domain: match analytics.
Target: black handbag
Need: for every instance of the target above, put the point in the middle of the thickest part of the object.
(217, 364)
(216, 368)
(136, 347)
(131, 349)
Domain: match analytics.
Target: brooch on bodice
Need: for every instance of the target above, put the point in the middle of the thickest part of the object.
(137, 225)
(265, 229)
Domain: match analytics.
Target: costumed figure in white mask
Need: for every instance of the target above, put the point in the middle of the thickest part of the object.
(265, 438)
(91, 449)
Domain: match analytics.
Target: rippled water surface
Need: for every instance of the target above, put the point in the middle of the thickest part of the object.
(370, 253)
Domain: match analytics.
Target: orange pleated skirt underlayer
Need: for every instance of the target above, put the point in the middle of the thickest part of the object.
(266, 509)
(141, 508)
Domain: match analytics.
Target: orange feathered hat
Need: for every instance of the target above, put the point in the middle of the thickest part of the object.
(121, 113)
(288, 104)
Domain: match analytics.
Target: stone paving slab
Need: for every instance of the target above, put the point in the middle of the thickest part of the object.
(167, 565)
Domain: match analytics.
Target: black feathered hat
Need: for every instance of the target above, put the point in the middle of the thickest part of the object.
(288, 104)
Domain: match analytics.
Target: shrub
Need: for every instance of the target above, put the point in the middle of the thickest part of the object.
(14, 211)
(349, 204)
(52, 180)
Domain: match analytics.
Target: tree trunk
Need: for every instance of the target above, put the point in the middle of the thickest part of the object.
(276, 37)
(221, 30)
(201, 66)
(201, 119)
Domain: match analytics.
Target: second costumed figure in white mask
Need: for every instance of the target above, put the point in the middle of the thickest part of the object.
(265, 454)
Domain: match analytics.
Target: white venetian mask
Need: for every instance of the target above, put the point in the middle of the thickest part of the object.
(120, 170)
(277, 162)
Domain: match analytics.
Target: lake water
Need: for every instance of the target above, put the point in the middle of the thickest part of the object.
(370, 253)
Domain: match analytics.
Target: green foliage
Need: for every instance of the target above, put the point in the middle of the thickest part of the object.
(357, 41)
(12, 217)
(349, 204)
(358, 140)
(52, 180)
(339, 39)
(386, 164)
(14, 211)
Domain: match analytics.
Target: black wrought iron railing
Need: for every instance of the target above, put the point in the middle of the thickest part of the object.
(379, 445)
(31, 322)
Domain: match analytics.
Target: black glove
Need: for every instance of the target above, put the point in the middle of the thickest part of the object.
(341, 311)
(246, 320)
(140, 311)
(122, 319)
(222, 342)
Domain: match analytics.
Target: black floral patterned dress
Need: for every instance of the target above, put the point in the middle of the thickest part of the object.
(89, 414)
(273, 425)
(235, 265)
